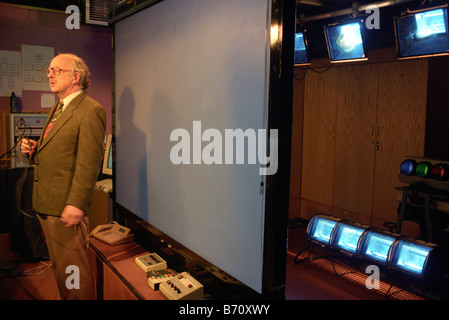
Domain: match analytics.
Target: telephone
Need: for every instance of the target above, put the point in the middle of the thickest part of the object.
(112, 233)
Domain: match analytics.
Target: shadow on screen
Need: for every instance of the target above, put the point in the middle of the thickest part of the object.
(130, 149)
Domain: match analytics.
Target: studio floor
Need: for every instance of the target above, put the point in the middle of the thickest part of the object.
(306, 280)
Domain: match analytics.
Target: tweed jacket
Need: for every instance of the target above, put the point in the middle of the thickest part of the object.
(67, 162)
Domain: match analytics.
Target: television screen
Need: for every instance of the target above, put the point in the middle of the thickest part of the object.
(376, 246)
(422, 33)
(345, 42)
(320, 229)
(410, 257)
(346, 237)
(301, 55)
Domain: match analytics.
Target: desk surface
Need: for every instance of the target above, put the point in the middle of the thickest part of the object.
(122, 258)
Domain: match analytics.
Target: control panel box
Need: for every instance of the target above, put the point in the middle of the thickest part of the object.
(23, 125)
(151, 262)
(156, 277)
(182, 287)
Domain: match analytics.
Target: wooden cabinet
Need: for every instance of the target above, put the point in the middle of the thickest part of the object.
(359, 123)
(401, 119)
(319, 136)
(355, 145)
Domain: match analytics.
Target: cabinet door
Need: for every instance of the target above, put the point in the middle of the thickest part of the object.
(354, 154)
(401, 120)
(320, 101)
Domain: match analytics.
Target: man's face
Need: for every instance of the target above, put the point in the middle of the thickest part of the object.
(65, 83)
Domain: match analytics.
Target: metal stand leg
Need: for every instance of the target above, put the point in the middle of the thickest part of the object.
(401, 212)
(426, 196)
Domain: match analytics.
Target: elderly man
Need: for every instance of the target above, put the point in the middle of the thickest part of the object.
(67, 160)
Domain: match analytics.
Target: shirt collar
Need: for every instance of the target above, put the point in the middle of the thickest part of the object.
(70, 97)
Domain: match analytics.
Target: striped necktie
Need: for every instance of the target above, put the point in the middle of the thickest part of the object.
(56, 115)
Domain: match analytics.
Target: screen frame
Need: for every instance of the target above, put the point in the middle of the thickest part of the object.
(412, 13)
(328, 45)
(276, 186)
(107, 153)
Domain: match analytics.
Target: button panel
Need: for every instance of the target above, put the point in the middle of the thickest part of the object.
(156, 277)
(182, 287)
(150, 262)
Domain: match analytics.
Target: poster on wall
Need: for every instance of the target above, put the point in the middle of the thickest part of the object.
(35, 59)
(10, 73)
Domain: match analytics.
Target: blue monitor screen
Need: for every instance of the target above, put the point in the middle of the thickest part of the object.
(110, 159)
(376, 246)
(410, 257)
(347, 237)
(422, 33)
(345, 42)
(301, 56)
(320, 229)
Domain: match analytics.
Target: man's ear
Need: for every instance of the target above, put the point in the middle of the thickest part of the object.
(76, 78)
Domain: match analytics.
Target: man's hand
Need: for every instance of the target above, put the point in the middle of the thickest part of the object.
(28, 146)
(71, 215)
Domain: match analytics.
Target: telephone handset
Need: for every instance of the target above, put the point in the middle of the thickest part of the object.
(112, 233)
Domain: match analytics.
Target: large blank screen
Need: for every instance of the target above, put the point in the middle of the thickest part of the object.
(185, 72)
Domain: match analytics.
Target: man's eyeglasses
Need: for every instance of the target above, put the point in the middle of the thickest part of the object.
(56, 71)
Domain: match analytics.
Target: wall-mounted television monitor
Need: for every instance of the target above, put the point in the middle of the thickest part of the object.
(345, 41)
(301, 53)
(422, 33)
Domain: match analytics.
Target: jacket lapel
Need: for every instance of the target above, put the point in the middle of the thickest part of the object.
(63, 118)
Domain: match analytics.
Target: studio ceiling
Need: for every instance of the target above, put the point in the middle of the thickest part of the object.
(311, 15)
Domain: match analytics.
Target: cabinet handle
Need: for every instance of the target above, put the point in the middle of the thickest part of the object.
(377, 131)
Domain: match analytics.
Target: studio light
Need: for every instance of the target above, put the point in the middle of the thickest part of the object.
(411, 256)
(408, 167)
(345, 41)
(430, 172)
(422, 33)
(376, 245)
(398, 254)
(423, 169)
(440, 171)
(301, 51)
(320, 228)
(346, 236)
